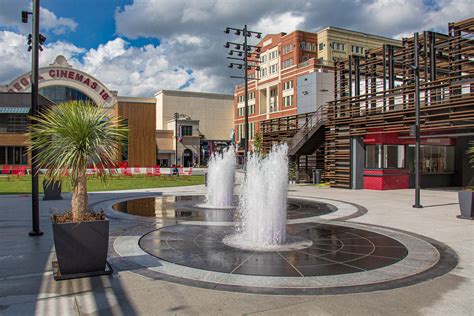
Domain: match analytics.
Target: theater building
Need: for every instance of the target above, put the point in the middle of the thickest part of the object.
(152, 137)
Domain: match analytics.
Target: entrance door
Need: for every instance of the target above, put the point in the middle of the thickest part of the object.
(187, 158)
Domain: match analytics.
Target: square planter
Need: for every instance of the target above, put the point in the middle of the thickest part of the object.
(52, 190)
(81, 248)
(466, 204)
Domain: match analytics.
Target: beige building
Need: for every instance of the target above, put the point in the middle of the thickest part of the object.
(336, 43)
(204, 125)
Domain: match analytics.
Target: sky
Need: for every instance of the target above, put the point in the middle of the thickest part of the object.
(139, 47)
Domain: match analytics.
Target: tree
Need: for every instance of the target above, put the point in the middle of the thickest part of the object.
(70, 136)
(257, 143)
(470, 152)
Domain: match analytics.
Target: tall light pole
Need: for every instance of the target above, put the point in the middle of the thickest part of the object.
(35, 39)
(416, 69)
(176, 116)
(244, 51)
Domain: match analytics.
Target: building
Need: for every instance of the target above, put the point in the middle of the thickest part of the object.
(335, 43)
(152, 136)
(204, 125)
(14, 111)
(364, 138)
(296, 74)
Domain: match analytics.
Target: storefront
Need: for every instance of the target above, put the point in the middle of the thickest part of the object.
(389, 161)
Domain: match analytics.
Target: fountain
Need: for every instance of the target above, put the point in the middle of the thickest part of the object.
(262, 212)
(220, 180)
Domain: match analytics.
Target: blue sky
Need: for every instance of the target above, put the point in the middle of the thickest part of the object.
(95, 19)
(141, 46)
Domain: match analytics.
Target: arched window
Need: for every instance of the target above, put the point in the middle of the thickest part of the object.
(59, 94)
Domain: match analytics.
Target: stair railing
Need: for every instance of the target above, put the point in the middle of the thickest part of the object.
(314, 120)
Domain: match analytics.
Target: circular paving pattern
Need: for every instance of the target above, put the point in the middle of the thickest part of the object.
(341, 257)
(334, 250)
(189, 208)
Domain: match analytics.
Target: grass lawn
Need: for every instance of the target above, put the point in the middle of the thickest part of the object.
(14, 185)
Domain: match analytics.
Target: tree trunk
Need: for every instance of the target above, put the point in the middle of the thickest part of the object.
(79, 196)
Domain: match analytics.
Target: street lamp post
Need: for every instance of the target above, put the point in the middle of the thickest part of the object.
(176, 116)
(245, 51)
(417, 122)
(35, 39)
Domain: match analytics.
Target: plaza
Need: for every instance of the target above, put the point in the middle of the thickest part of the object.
(134, 288)
(334, 177)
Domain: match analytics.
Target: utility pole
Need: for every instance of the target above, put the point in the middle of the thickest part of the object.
(34, 112)
(417, 121)
(246, 52)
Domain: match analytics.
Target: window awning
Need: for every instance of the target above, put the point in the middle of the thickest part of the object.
(14, 110)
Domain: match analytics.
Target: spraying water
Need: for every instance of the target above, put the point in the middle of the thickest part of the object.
(263, 202)
(220, 180)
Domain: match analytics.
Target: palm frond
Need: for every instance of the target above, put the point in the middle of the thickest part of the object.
(73, 135)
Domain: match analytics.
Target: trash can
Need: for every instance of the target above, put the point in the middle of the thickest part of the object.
(317, 176)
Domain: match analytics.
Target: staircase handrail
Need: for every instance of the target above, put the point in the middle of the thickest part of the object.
(313, 120)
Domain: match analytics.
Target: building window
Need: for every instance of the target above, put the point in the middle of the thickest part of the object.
(273, 55)
(241, 98)
(288, 100)
(394, 156)
(263, 58)
(263, 72)
(339, 46)
(124, 146)
(357, 49)
(373, 156)
(186, 130)
(287, 63)
(13, 123)
(385, 156)
(13, 155)
(287, 48)
(288, 85)
(434, 159)
(273, 69)
(321, 46)
(308, 46)
(251, 130)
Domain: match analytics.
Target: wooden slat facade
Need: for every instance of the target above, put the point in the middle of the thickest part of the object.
(141, 119)
(375, 93)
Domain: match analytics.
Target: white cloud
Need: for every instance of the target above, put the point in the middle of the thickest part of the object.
(49, 22)
(191, 36)
(132, 71)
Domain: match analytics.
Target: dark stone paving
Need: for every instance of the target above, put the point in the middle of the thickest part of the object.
(186, 207)
(335, 250)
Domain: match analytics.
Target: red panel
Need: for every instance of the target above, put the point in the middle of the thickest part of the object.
(386, 179)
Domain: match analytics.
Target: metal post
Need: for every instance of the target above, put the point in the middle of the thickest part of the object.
(34, 112)
(417, 122)
(246, 111)
(176, 116)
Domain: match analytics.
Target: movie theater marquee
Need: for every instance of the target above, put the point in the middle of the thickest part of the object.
(61, 74)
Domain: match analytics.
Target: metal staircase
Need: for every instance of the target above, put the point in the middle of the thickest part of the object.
(310, 136)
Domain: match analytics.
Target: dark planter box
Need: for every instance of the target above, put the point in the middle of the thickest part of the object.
(81, 247)
(466, 204)
(52, 190)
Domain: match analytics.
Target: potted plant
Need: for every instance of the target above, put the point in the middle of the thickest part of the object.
(70, 136)
(466, 197)
(51, 189)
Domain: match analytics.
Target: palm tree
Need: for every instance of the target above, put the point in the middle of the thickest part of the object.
(71, 136)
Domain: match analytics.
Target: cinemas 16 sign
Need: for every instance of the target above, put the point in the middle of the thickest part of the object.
(46, 74)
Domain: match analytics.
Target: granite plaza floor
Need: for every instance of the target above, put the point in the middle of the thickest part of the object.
(27, 286)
